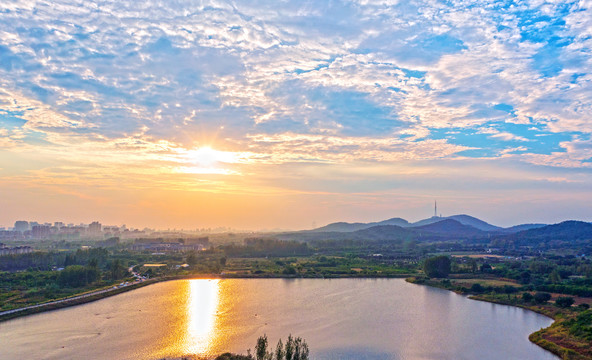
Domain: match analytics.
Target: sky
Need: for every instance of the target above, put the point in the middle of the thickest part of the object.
(294, 114)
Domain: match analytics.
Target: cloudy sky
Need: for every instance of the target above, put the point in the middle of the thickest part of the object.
(281, 114)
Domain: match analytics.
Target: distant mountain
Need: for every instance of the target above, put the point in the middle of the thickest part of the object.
(350, 227)
(450, 227)
(465, 228)
(383, 232)
(443, 230)
(341, 227)
(567, 232)
(522, 227)
(463, 219)
(393, 221)
(375, 233)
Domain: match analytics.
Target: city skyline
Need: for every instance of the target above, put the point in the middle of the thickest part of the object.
(280, 115)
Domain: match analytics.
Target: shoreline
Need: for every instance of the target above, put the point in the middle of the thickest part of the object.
(537, 336)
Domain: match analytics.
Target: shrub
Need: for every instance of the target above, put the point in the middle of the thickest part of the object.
(477, 288)
(437, 266)
(542, 297)
(527, 297)
(564, 301)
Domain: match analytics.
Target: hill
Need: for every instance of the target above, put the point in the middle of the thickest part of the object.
(350, 227)
(522, 227)
(568, 233)
(463, 219)
(450, 227)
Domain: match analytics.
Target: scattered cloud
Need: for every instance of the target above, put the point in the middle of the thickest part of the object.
(91, 89)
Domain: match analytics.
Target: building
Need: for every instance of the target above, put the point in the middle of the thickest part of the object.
(95, 228)
(5, 250)
(41, 231)
(21, 226)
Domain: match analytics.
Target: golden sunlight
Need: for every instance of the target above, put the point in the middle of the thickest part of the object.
(206, 160)
(201, 315)
(208, 157)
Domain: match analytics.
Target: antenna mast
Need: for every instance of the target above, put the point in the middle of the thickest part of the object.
(435, 209)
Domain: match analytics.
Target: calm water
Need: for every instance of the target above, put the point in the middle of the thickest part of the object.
(340, 319)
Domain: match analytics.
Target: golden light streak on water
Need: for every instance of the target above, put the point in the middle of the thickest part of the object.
(202, 306)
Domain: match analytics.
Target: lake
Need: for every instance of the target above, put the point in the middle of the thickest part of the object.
(339, 319)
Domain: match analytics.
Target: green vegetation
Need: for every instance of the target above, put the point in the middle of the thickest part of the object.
(295, 349)
(551, 278)
(437, 266)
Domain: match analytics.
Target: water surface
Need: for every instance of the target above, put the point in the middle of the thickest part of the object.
(339, 318)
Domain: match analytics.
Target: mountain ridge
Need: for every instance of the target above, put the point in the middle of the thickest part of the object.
(461, 218)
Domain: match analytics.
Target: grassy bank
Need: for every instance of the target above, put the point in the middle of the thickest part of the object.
(570, 335)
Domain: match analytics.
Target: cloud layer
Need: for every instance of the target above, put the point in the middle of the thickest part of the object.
(103, 93)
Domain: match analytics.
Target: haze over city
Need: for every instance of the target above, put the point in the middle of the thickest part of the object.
(283, 114)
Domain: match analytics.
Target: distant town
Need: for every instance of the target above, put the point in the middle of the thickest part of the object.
(33, 230)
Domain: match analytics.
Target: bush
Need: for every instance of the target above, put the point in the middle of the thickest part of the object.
(564, 301)
(477, 288)
(542, 297)
(229, 356)
(437, 266)
(77, 276)
(527, 297)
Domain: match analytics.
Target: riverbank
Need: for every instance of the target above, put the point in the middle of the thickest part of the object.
(557, 338)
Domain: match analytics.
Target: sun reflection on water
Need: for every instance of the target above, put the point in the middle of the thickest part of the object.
(202, 305)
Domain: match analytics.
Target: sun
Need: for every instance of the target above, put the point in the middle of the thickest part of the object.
(206, 156)
(207, 160)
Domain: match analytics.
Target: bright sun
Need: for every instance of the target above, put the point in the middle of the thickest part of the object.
(206, 157)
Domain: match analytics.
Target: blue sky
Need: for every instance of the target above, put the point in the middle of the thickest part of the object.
(371, 108)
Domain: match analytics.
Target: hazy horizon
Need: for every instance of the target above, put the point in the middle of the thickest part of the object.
(315, 225)
(269, 115)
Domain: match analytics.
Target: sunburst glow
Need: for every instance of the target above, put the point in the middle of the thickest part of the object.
(206, 160)
(208, 157)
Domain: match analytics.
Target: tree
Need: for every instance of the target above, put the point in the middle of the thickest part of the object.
(485, 267)
(509, 289)
(564, 301)
(290, 348)
(542, 297)
(191, 258)
(261, 348)
(117, 270)
(477, 288)
(554, 277)
(300, 349)
(77, 276)
(279, 351)
(527, 297)
(473, 264)
(296, 349)
(437, 266)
